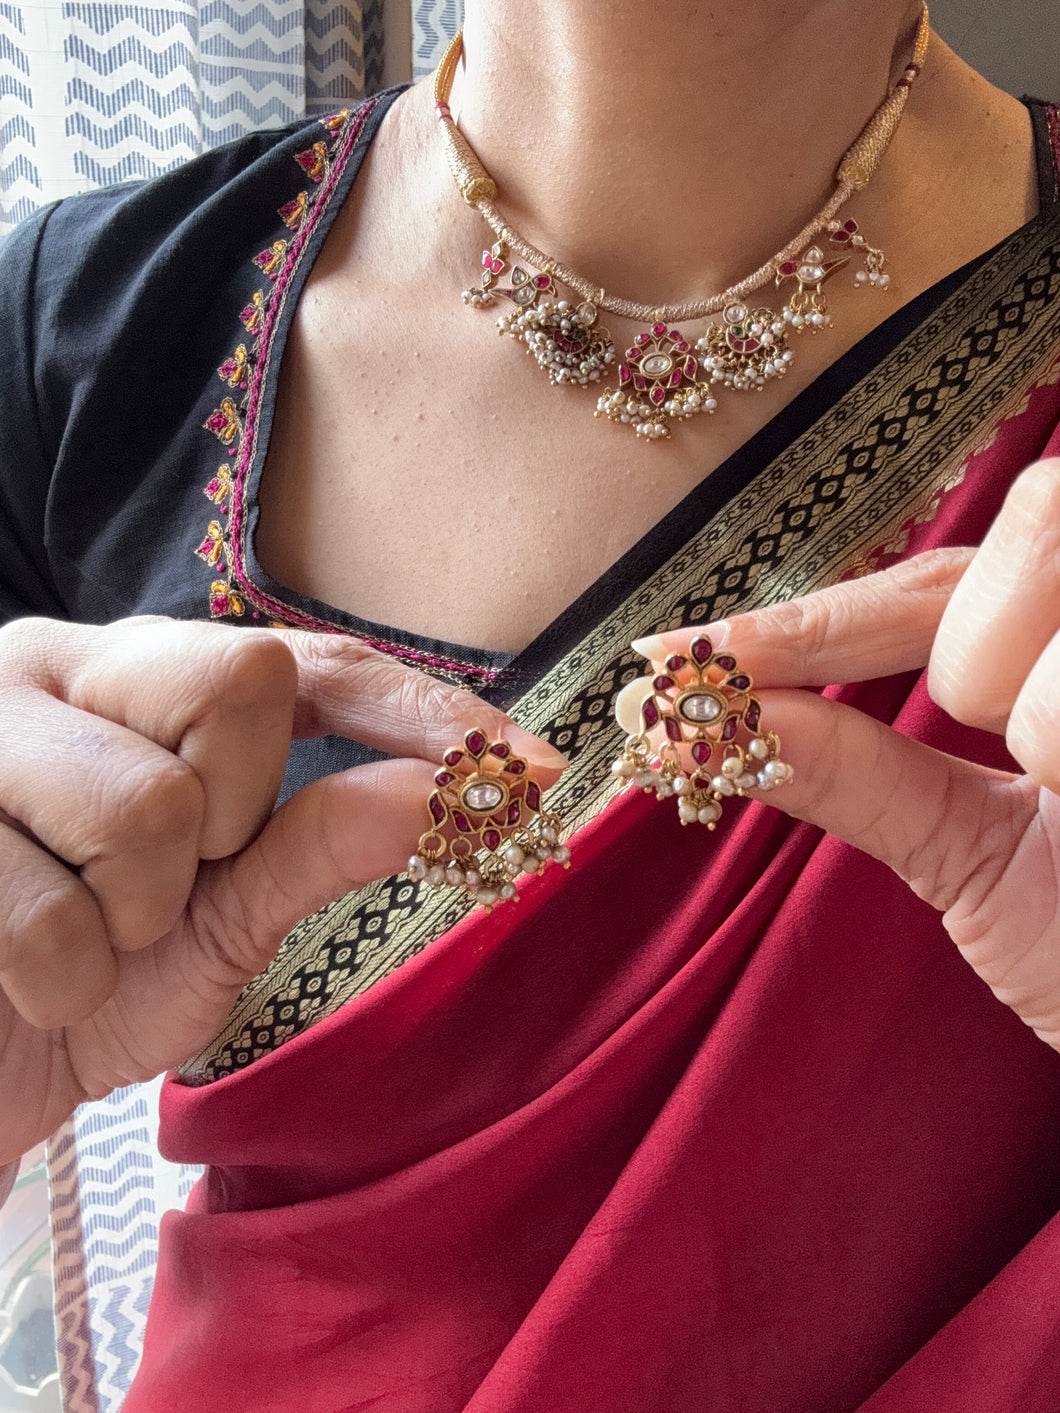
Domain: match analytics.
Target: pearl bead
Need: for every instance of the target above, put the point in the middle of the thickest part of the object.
(723, 785)
(513, 854)
(710, 813)
(487, 897)
(508, 891)
(561, 854)
(746, 781)
(680, 784)
(473, 877)
(436, 876)
(417, 868)
(454, 875)
(776, 770)
(731, 766)
(758, 748)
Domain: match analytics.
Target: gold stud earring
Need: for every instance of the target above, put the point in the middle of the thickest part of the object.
(713, 745)
(488, 827)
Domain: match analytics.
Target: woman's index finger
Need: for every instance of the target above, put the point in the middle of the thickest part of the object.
(848, 632)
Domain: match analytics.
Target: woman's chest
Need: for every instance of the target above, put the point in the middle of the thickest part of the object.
(425, 474)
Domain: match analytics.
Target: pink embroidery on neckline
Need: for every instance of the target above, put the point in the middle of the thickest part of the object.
(303, 217)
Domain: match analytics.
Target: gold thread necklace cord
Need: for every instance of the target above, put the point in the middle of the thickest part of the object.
(856, 169)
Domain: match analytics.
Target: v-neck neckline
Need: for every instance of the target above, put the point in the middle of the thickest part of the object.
(500, 676)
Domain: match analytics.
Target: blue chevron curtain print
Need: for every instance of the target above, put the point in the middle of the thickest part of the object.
(95, 93)
(434, 22)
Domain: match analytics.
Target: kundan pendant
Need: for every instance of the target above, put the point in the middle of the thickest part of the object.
(658, 382)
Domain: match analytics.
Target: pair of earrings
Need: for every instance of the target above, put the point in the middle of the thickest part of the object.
(488, 826)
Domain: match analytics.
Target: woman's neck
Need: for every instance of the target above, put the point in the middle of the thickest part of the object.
(671, 154)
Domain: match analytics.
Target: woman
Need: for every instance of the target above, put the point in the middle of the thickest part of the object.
(711, 1122)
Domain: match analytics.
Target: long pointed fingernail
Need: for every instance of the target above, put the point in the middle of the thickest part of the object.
(656, 646)
(536, 751)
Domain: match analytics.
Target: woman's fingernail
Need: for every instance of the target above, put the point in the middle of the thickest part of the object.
(651, 647)
(657, 646)
(536, 751)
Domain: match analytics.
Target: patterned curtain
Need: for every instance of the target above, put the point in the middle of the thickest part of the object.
(95, 93)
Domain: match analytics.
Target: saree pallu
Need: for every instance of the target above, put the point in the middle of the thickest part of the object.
(707, 1123)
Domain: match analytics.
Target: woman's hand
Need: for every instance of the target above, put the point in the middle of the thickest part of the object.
(144, 878)
(981, 846)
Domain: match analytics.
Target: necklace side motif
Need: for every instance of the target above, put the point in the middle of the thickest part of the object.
(663, 377)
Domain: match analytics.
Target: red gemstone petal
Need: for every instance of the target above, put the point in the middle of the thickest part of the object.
(753, 715)
(650, 713)
(682, 347)
(533, 795)
(475, 741)
(673, 728)
(701, 752)
(437, 809)
(726, 662)
(516, 767)
(675, 334)
(789, 267)
(513, 812)
(462, 822)
(640, 382)
(623, 374)
(453, 757)
(701, 650)
(492, 839)
(543, 281)
(442, 777)
(676, 662)
(676, 377)
(642, 338)
(691, 367)
(740, 682)
(658, 395)
(662, 684)
(728, 731)
(659, 330)
(501, 750)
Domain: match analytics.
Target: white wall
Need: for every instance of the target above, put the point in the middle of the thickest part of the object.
(1015, 43)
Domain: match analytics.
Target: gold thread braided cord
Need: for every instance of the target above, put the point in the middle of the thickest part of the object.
(866, 152)
(856, 169)
(471, 176)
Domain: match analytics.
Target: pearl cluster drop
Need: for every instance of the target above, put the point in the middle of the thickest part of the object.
(537, 327)
(755, 769)
(496, 879)
(645, 419)
(746, 376)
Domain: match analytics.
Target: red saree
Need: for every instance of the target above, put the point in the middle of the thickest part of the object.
(709, 1123)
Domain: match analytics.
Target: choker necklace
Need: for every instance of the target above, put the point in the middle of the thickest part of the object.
(662, 378)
